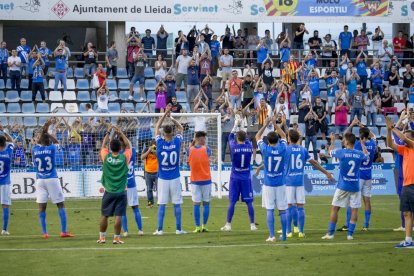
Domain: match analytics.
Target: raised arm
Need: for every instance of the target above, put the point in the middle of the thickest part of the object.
(320, 168)
(160, 121)
(125, 140)
(8, 137)
(179, 127)
(106, 138)
(260, 132)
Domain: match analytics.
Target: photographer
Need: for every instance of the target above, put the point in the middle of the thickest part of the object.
(91, 56)
(149, 157)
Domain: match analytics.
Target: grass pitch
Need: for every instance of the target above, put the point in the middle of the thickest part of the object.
(240, 252)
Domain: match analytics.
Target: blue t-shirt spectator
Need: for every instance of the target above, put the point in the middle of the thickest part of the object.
(74, 154)
(23, 52)
(345, 40)
(46, 52)
(362, 68)
(192, 75)
(261, 54)
(284, 54)
(60, 62)
(148, 42)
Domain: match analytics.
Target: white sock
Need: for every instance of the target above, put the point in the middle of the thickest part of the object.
(409, 239)
(117, 236)
(102, 234)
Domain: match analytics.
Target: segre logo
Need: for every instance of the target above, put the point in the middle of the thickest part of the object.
(60, 9)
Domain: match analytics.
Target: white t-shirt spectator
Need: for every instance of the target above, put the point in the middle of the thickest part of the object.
(183, 62)
(200, 124)
(14, 67)
(284, 108)
(226, 60)
(103, 102)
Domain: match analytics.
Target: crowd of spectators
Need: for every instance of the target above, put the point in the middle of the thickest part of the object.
(244, 76)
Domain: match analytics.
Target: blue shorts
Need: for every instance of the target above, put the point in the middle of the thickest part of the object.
(243, 187)
(136, 78)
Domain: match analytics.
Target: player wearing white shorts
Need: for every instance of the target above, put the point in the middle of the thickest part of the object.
(274, 189)
(296, 158)
(6, 155)
(47, 182)
(200, 176)
(348, 191)
(169, 185)
(132, 196)
(365, 172)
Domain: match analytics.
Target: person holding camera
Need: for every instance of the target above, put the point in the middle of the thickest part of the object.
(149, 156)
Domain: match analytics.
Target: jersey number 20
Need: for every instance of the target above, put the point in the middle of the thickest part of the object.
(173, 158)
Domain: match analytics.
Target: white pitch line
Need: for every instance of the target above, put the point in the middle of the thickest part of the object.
(102, 248)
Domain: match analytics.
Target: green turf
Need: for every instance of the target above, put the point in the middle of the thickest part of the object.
(240, 252)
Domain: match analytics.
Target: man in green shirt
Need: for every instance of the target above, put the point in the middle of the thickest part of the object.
(114, 180)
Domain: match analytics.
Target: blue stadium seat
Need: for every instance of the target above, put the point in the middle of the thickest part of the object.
(2, 86)
(380, 120)
(69, 73)
(123, 84)
(383, 132)
(28, 108)
(123, 95)
(322, 84)
(42, 120)
(181, 97)
(375, 131)
(30, 121)
(8, 84)
(4, 121)
(39, 97)
(148, 72)
(355, 131)
(1, 94)
(12, 96)
(394, 117)
(319, 144)
(2, 107)
(139, 106)
(26, 96)
(338, 144)
(136, 96)
(45, 84)
(51, 72)
(128, 106)
(121, 73)
(150, 84)
(114, 107)
(29, 133)
(13, 108)
(151, 96)
(83, 96)
(79, 73)
(82, 107)
(113, 96)
(111, 84)
(24, 84)
(55, 96)
(42, 108)
(82, 84)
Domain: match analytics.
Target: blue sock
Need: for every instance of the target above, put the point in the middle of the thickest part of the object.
(348, 216)
(295, 215)
(250, 210)
(282, 215)
(125, 223)
(161, 214)
(351, 229)
(289, 220)
(138, 219)
(177, 213)
(62, 215)
(196, 210)
(271, 222)
(206, 213)
(367, 218)
(42, 217)
(6, 215)
(230, 212)
(332, 227)
(301, 219)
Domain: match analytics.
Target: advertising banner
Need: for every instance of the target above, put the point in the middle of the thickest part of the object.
(396, 11)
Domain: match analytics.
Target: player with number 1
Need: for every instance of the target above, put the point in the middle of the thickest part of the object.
(47, 181)
(169, 185)
(348, 191)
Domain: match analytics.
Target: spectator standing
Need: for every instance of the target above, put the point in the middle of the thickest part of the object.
(170, 83)
(14, 63)
(160, 97)
(180, 43)
(377, 75)
(191, 39)
(252, 40)
(45, 53)
(4, 55)
(38, 77)
(181, 64)
(408, 80)
(393, 79)
(208, 34)
(354, 47)
(298, 39)
(310, 133)
(240, 45)
(162, 39)
(60, 70)
(140, 64)
(371, 108)
(357, 103)
(332, 85)
(262, 55)
(205, 64)
(111, 60)
(101, 74)
(303, 110)
(160, 66)
(385, 54)
(362, 41)
(207, 87)
(193, 86)
(235, 87)
(133, 47)
(361, 65)
(203, 46)
(90, 59)
(399, 43)
(387, 101)
(284, 50)
(19, 154)
(23, 51)
(341, 116)
(226, 65)
(345, 41)
(66, 52)
(227, 40)
(377, 40)
(315, 42)
(328, 47)
(321, 123)
(148, 43)
(149, 156)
